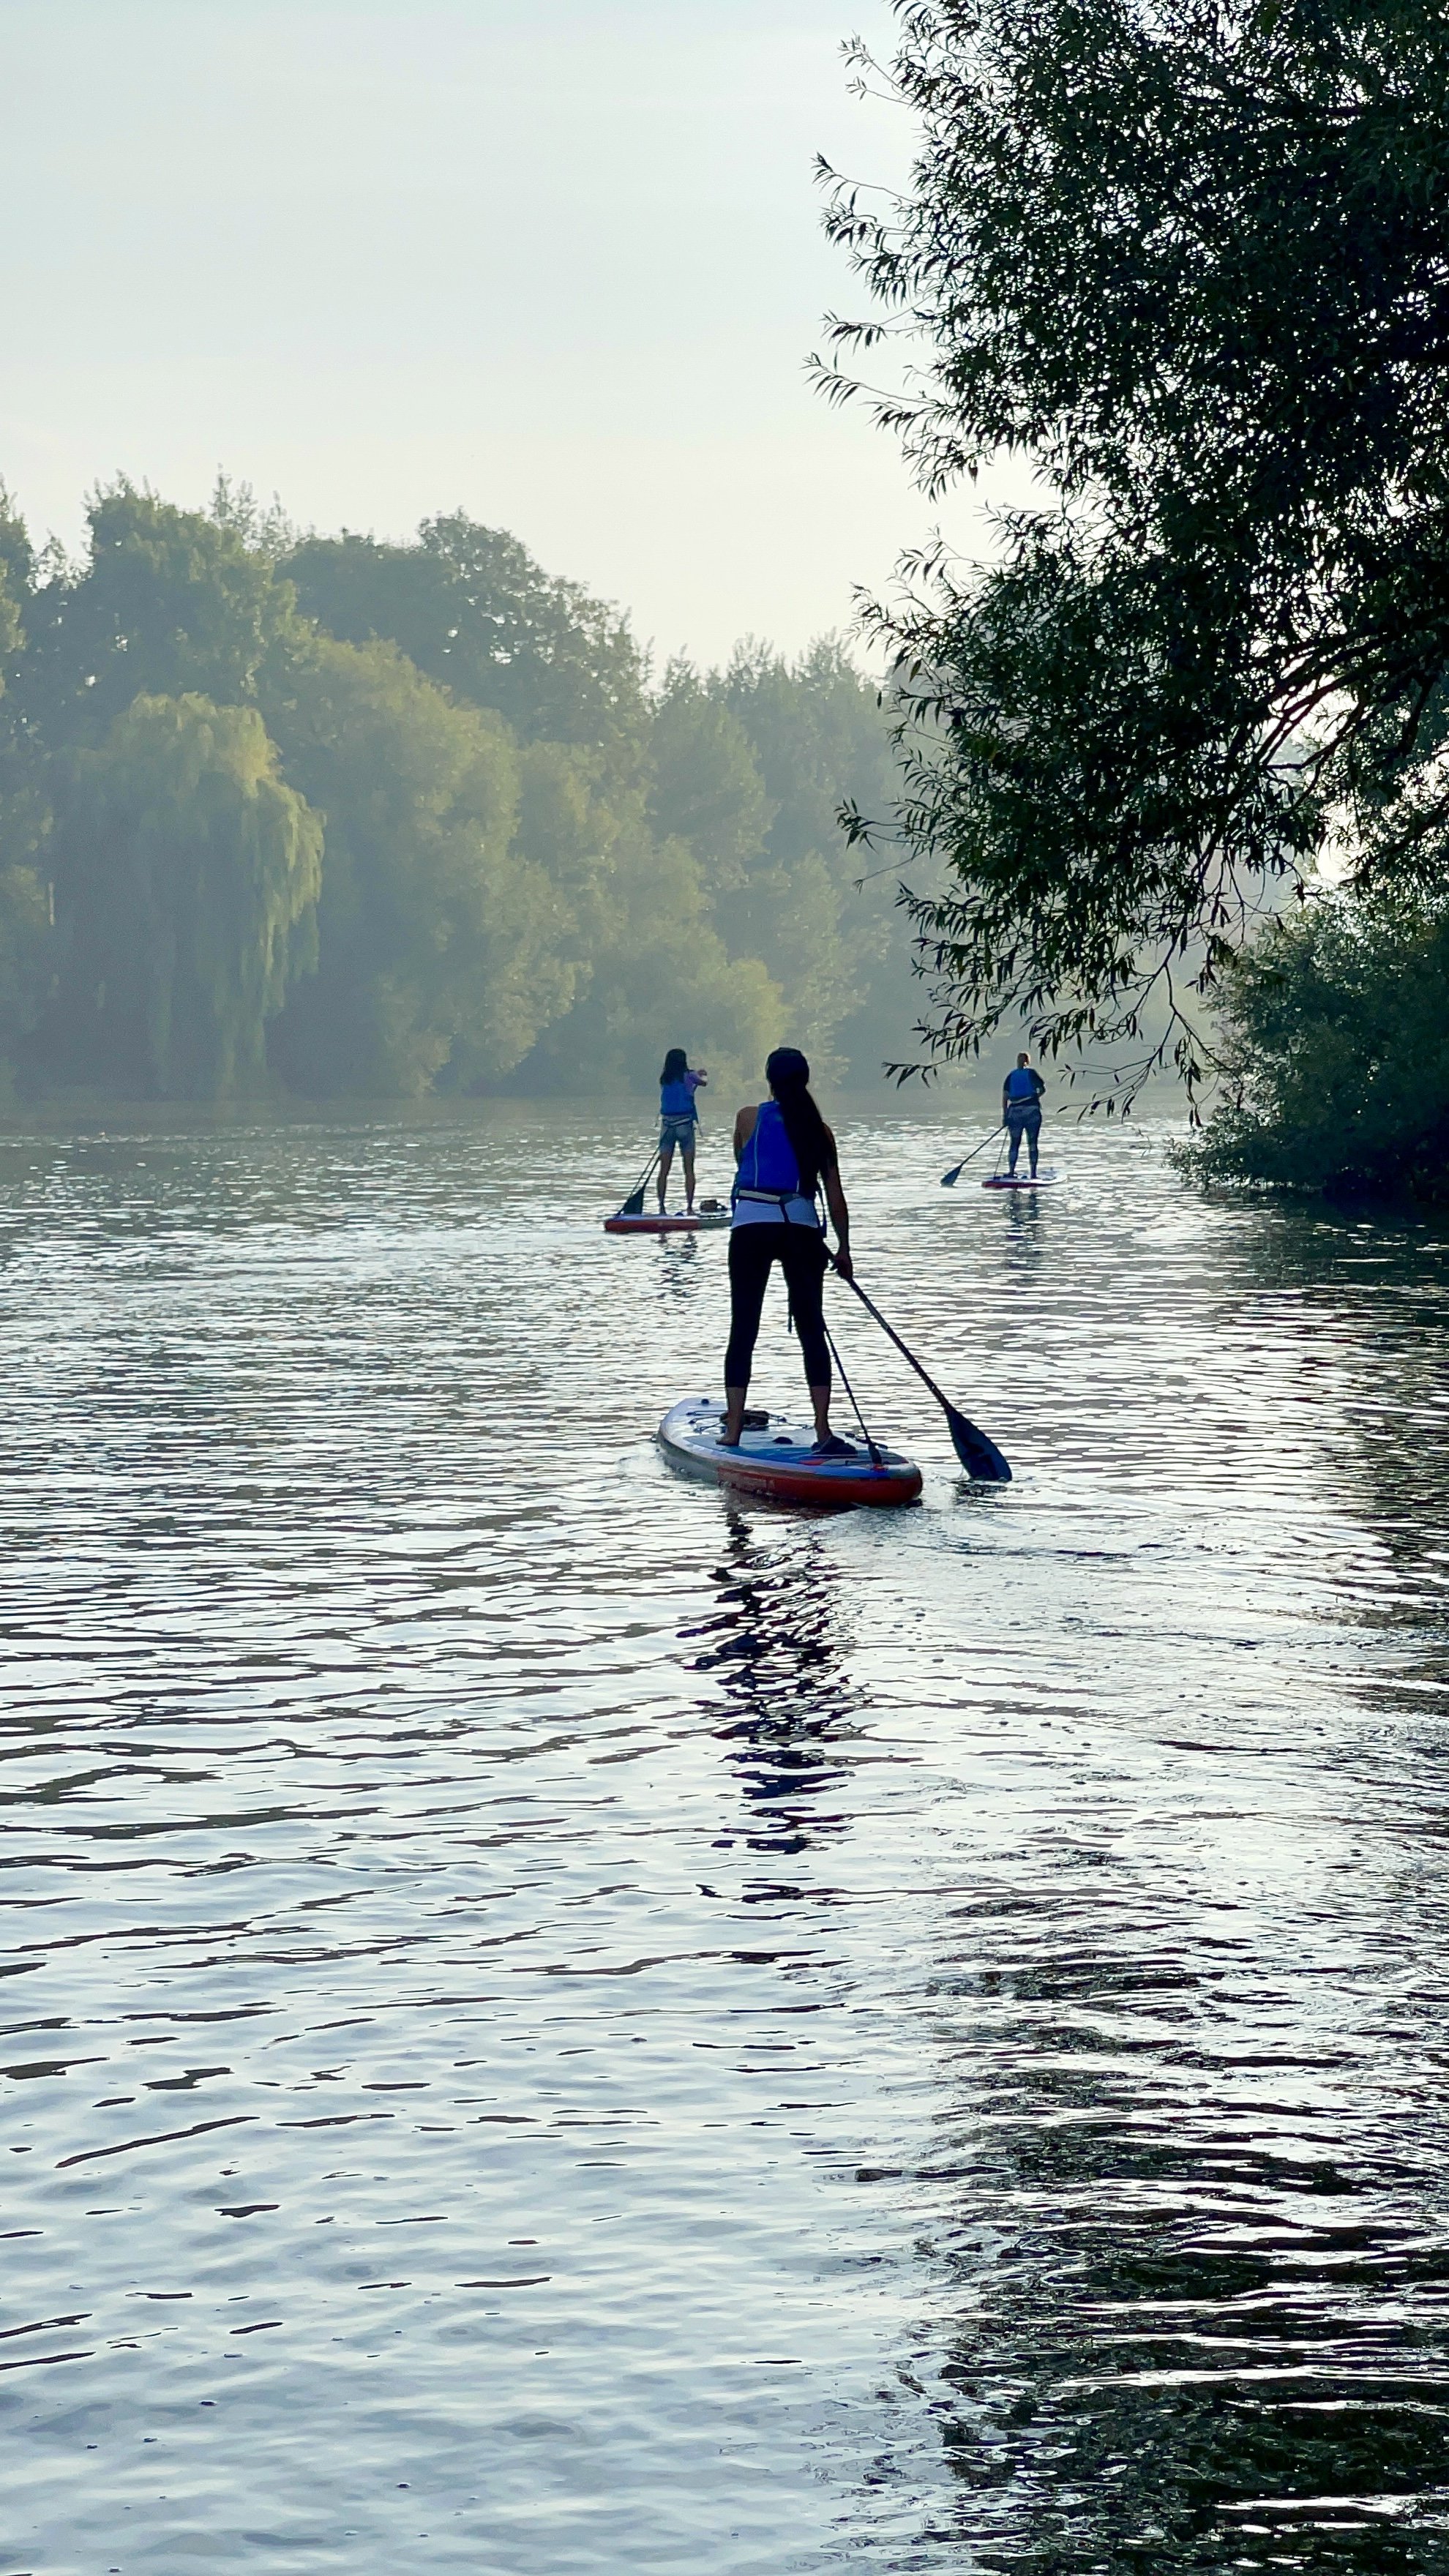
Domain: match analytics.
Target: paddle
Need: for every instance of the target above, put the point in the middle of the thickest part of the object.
(950, 1179)
(634, 1203)
(978, 1455)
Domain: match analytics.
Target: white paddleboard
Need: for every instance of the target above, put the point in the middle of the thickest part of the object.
(1021, 1181)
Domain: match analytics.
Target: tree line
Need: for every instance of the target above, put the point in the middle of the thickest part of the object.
(324, 815)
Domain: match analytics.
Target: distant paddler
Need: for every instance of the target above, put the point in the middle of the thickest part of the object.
(678, 1121)
(1021, 1110)
(785, 1156)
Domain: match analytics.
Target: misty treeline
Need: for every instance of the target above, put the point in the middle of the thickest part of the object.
(328, 816)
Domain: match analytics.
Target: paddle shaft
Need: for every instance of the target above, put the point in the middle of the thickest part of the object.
(872, 1452)
(949, 1178)
(642, 1183)
(892, 1335)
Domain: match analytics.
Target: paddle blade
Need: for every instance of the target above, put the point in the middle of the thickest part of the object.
(633, 1206)
(979, 1456)
(950, 1179)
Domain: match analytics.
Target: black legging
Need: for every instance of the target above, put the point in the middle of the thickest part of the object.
(800, 1251)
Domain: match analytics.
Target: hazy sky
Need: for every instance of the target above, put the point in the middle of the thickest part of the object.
(555, 261)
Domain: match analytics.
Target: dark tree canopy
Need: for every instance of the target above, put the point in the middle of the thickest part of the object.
(1192, 262)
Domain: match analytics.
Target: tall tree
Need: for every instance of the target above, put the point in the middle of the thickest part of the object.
(441, 949)
(1190, 261)
(27, 929)
(819, 739)
(471, 608)
(169, 602)
(187, 875)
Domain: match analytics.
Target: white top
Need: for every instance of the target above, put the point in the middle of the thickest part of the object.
(800, 1212)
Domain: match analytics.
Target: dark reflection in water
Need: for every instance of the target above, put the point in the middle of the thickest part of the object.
(1212, 2332)
(777, 1649)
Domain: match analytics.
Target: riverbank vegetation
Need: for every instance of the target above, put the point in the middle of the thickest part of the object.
(329, 816)
(1336, 1062)
(1191, 267)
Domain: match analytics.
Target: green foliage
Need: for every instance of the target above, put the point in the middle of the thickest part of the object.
(820, 739)
(171, 603)
(423, 830)
(1338, 1054)
(1189, 264)
(660, 975)
(187, 875)
(472, 609)
(437, 946)
(17, 573)
(750, 765)
(27, 962)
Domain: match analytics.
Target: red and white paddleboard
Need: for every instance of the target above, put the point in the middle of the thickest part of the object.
(705, 1222)
(776, 1462)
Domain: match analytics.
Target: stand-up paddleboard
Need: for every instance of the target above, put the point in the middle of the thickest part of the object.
(1021, 1181)
(703, 1223)
(775, 1460)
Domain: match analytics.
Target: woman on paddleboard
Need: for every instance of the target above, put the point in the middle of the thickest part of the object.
(678, 1119)
(1021, 1110)
(785, 1156)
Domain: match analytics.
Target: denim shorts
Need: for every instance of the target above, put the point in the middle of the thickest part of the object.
(676, 1131)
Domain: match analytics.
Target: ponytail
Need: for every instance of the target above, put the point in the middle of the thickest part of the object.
(788, 1076)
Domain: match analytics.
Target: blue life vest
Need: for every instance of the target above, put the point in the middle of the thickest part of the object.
(1022, 1083)
(768, 1161)
(676, 1100)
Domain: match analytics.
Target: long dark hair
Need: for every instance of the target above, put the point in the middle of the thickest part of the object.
(788, 1076)
(676, 1065)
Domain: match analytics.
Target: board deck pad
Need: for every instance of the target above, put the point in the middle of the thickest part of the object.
(776, 1461)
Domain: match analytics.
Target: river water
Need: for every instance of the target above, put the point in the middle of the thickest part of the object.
(555, 2025)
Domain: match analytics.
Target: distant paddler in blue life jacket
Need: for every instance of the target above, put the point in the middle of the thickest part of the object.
(1021, 1109)
(678, 1119)
(785, 1156)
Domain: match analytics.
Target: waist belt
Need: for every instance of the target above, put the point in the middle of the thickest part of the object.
(783, 1200)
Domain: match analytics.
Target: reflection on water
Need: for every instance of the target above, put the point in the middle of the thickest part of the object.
(776, 1648)
(556, 2024)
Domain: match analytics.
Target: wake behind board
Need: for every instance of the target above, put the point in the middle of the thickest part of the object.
(656, 1224)
(1021, 1181)
(776, 1462)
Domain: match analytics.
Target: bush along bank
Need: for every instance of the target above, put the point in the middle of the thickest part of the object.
(1336, 1060)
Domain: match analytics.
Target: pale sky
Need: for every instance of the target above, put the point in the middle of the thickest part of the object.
(556, 261)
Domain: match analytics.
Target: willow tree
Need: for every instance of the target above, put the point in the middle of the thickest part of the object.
(1189, 261)
(187, 875)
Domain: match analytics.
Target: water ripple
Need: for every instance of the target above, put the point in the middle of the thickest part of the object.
(550, 2024)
